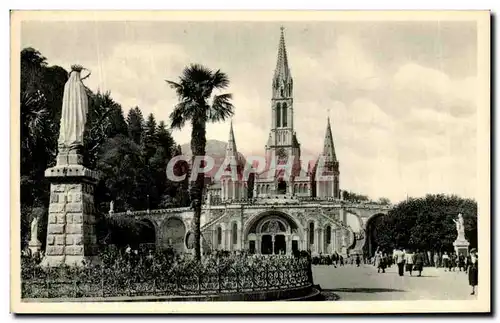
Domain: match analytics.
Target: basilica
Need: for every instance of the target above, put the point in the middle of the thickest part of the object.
(278, 210)
(282, 148)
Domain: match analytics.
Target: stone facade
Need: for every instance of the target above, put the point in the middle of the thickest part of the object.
(320, 226)
(71, 236)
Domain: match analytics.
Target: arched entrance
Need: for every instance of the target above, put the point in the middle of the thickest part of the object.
(372, 225)
(174, 234)
(273, 233)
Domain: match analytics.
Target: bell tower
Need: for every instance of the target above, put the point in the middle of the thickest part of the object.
(282, 143)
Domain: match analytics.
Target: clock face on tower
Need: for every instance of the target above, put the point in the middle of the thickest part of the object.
(282, 155)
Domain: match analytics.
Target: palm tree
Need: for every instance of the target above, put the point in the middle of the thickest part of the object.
(199, 105)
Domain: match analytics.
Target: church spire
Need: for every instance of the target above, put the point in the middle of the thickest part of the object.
(328, 147)
(231, 144)
(282, 71)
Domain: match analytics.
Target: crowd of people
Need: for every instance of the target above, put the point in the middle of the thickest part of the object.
(413, 261)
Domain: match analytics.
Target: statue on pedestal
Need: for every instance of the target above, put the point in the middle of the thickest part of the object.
(73, 118)
(74, 110)
(34, 229)
(461, 244)
(34, 245)
(460, 227)
(79, 182)
(111, 207)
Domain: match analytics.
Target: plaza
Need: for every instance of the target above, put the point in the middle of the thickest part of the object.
(351, 283)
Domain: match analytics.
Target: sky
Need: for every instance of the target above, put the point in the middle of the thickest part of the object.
(401, 96)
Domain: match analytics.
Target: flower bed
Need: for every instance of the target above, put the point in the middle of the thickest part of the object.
(164, 274)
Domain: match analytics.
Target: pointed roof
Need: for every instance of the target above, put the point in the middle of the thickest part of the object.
(328, 147)
(231, 143)
(282, 70)
(269, 141)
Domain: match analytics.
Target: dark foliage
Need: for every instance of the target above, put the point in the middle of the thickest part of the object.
(130, 154)
(427, 223)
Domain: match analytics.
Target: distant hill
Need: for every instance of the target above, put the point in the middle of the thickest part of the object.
(215, 149)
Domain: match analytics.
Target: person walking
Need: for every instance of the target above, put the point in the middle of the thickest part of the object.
(472, 269)
(358, 260)
(376, 259)
(446, 260)
(383, 262)
(399, 259)
(436, 260)
(452, 262)
(461, 262)
(418, 264)
(409, 261)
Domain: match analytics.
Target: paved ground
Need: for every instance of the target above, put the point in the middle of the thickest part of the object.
(353, 283)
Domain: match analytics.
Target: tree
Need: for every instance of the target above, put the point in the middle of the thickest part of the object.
(354, 197)
(42, 89)
(198, 105)
(384, 201)
(165, 140)
(163, 150)
(105, 120)
(120, 163)
(427, 223)
(149, 140)
(135, 122)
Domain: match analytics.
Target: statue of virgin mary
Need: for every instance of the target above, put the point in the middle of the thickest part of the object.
(74, 110)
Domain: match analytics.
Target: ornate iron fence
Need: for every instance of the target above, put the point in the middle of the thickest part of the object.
(154, 280)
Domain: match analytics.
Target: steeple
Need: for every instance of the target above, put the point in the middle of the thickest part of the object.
(329, 186)
(282, 144)
(232, 186)
(282, 71)
(328, 147)
(231, 143)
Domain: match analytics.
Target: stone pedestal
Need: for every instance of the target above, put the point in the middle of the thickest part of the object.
(34, 246)
(461, 246)
(71, 234)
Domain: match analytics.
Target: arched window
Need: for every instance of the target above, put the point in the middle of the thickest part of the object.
(235, 233)
(328, 234)
(311, 233)
(285, 116)
(278, 115)
(219, 236)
